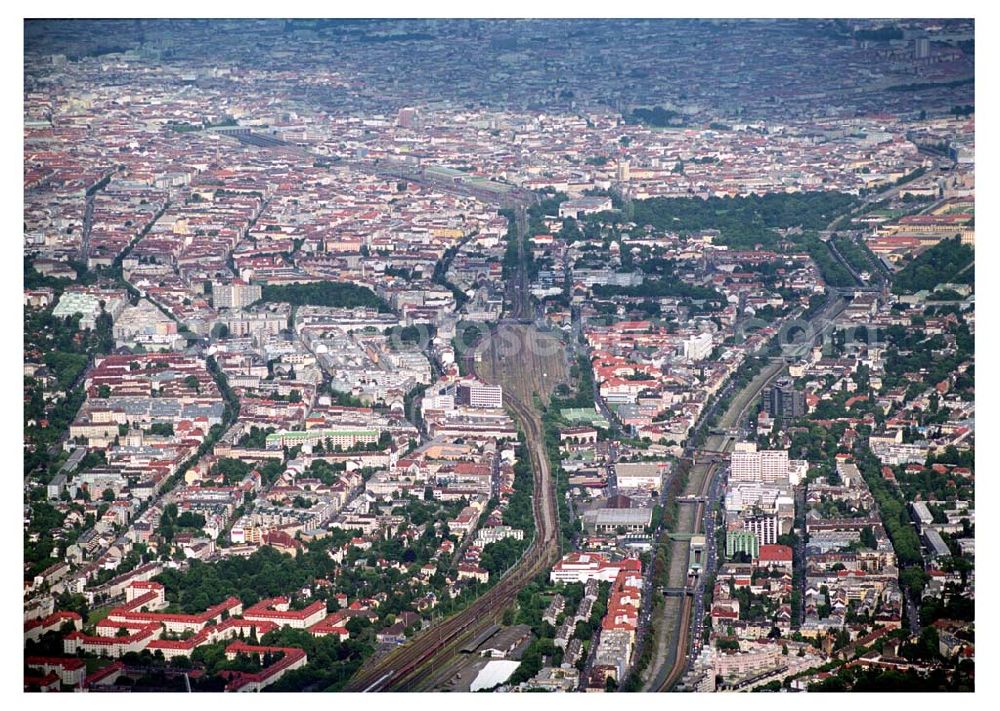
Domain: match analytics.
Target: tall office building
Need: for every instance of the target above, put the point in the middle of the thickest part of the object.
(783, 401)
(407, 117)
(624, 171)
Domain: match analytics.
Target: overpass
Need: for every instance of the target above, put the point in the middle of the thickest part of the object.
(709, 454)
(230, 130)
(852, 290)
(686, 536)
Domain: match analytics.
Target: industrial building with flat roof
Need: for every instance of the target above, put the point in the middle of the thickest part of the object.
(614, 520)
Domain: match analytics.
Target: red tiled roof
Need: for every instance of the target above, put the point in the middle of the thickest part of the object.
(100, 674)
(240, 679)
(774, 552)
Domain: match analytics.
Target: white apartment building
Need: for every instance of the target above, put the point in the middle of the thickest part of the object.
(747, 464)
(765, 526)
(480, 395)
(236, 295)
(697, 347)
(485, 536)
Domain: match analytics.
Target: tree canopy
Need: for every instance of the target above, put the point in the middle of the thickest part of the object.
(324, 293)
(938, 265)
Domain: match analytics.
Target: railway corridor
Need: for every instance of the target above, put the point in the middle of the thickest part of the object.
(526, 362)
(672, 648)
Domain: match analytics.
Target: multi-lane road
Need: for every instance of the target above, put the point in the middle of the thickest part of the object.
(682, 617)
(684, 624)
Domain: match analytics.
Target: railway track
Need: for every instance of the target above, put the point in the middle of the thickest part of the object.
(412, 664)
(701, 483)
(417, 662)
(702, 478)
